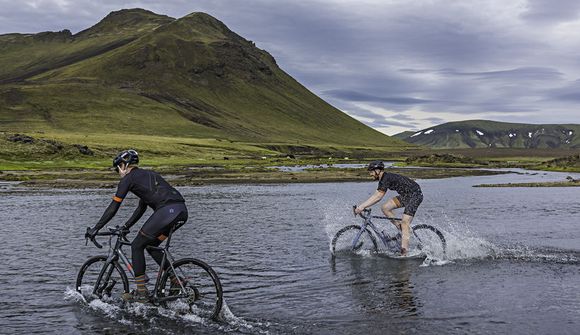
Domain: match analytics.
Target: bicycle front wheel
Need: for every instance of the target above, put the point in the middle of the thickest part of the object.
(195, 286)
(429, 240)
(344, 240)
(110, 287)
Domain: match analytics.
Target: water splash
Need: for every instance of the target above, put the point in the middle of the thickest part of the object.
(236, 323)
(461, 243)
(139, 314)
(74, 296)
(539, 254)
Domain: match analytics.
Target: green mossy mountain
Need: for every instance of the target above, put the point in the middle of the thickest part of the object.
(139, 73)
(492, 134)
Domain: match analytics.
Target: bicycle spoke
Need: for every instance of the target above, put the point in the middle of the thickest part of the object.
(195, 289)
(428, 240)
(112, 285)
(351, 239)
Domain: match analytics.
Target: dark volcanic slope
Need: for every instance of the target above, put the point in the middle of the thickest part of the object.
(481, 133)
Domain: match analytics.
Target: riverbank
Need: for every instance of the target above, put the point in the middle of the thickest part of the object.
(204, 175)
(543, 184)
(539, 161)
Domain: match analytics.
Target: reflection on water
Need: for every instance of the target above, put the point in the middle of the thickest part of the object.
(390, 288)
(401, 289)
(270, 245)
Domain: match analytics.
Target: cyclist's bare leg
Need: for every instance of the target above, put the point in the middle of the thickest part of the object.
(405, 233)
(388, 208)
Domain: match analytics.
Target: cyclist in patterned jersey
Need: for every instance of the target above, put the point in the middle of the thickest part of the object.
(168, 209)
(410, 197)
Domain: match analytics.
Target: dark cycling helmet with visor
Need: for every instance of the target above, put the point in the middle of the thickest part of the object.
(376, 165)
(129, 157)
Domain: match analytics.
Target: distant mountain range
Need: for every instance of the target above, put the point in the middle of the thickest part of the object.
(137, 72)
(486, 134)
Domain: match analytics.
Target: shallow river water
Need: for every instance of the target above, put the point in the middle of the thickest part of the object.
(513, 263)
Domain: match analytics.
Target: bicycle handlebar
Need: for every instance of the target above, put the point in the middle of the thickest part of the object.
(120, 231)
(367, 211)
(363, 214)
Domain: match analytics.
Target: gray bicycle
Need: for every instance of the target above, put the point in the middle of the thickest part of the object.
(360, 238)
(195, 286)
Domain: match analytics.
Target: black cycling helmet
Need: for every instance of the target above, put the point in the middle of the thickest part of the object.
(129, 157)
(376, 165)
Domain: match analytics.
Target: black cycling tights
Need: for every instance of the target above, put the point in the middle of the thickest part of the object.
(152, 232)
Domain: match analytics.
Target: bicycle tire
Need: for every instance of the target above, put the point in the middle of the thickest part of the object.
(343, 232)
(437, 232)
(203, 290)
(94, 265)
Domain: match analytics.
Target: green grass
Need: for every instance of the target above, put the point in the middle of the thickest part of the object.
(181, 92)
(190, 77)
(25, 55)
(159, 151)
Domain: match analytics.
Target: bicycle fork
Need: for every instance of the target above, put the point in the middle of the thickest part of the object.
(105, 275)
(355, 247)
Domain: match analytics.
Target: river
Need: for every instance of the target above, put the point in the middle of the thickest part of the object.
(513, 263)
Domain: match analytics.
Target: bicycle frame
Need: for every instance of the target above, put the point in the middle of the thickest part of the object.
(116, 253)
(385, 238)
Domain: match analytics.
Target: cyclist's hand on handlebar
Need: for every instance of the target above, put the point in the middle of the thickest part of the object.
(357, 210)
(91, 233)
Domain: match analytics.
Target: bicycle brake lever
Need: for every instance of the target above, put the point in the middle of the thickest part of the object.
(354, 210)
(96, 244)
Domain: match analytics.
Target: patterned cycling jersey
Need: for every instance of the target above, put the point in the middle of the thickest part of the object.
(401, 184)
(149, 186)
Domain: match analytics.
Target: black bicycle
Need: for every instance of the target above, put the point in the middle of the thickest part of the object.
(359, 238)
(194, 287)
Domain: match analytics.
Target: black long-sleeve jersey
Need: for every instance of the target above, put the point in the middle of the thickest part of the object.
(149, 186)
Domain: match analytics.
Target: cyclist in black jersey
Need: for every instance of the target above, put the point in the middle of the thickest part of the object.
(410, 197)
(168, 209)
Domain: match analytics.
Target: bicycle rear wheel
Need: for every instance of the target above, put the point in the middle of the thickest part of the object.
(344, 240)
(112, 285)
(429, 240)
(195, 287)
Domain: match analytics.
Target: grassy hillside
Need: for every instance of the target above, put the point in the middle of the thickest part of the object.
(26, 55)
(152, 81)
(491, 134)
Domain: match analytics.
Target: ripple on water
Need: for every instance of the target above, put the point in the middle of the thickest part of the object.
(270, 246)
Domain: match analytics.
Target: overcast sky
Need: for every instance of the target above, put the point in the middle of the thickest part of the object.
(394, 65)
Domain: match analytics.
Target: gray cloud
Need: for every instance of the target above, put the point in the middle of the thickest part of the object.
(556, 11)
(357, 96)
(391, 122)
(567, 93)
(429, 61)
(523, 73)
(435, 120)
(381, 121)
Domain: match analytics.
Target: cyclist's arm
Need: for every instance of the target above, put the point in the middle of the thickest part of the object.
(376, 197)
(108, 215)
(110, 212)
(137, 214)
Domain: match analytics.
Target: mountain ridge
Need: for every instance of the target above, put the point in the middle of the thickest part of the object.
(27, 55)
(495, 134)
(123, 19)
(188, 77)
